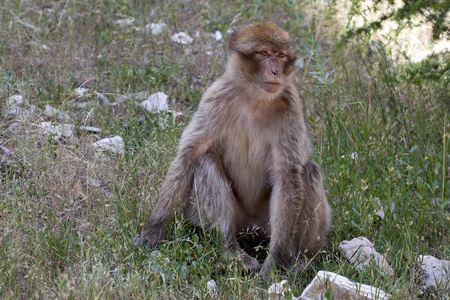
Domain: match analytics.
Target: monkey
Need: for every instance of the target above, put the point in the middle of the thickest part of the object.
(243, 160)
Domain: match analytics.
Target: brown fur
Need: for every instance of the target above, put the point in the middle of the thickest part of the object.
(243, 161)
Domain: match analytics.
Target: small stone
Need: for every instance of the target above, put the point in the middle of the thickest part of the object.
(64, 130)
(80, 105)
(361, 253)
(156, 102)
(380, 211)
(80, 91)
(342, 288)
(218, 35)
(93, 182)
(90, 129)
(300, 62)
(182, 38)
(278, 291)
(211, 288)
(15, 100)
(16, 112)
(114, 145)
(436, 272)
(125, 22)
(103, 101)
(52, 112)
(178, 117)
(155, 28)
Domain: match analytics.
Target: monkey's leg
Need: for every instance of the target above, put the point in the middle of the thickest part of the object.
(307, 219)
(214, 204)
(316, 214)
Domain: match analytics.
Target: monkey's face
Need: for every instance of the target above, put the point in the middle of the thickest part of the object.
(266, 55)
(270, 68)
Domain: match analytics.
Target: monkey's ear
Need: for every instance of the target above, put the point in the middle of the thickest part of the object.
(233, 40)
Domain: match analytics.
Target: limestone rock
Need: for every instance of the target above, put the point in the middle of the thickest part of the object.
(48, 128)
(341, 288)
(15, 100)
(114, 145)
(182, 38)
(90, 129)
(60, 115)
(156, 102)
(211, 288)
(155, 28)
(280, 291)
(125, 22)
(218, 35)
(103, 101)
(361, 253)
(436, 272)
(58, 132)
(81, 91)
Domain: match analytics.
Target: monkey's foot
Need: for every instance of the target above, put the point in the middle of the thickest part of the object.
(139, 241)
(250, 263)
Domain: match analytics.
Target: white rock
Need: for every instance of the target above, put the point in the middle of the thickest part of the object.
(20, 113)
(114, 144)
(342, 288)
(380, 211)
(181, 38)
(125, 22)
(15, 100)
(80, 91)
(437, 272)
(277, 291)
(80, 105)
(211, 288)
(90, 129)
(52, 112)
(361, 253)
(155, 28)
(59, 131)
(103, 101)
(218, 35)
(156, 102)
(16, 112)
(300, 62)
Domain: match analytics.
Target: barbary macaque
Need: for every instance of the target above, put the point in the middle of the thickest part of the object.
(243, 161)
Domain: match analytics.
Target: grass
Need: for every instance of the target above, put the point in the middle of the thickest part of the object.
(68, 216)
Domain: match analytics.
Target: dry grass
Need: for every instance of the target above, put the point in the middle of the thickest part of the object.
(68, 214)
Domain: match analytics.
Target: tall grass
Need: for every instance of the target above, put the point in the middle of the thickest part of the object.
(68, 215)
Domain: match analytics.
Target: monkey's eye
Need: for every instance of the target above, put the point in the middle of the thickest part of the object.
(264, 53)
(281, 55)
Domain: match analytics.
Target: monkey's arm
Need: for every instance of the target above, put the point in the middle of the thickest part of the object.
(177, 185)
(289, 154)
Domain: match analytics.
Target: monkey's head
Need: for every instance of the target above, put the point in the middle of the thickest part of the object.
(264, 55)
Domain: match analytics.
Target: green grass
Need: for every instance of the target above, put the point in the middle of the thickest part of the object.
(68, 216)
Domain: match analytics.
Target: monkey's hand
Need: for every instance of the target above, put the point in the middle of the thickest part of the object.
(153, 236)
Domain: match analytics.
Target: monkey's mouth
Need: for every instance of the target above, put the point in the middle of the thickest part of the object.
(272, 86)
